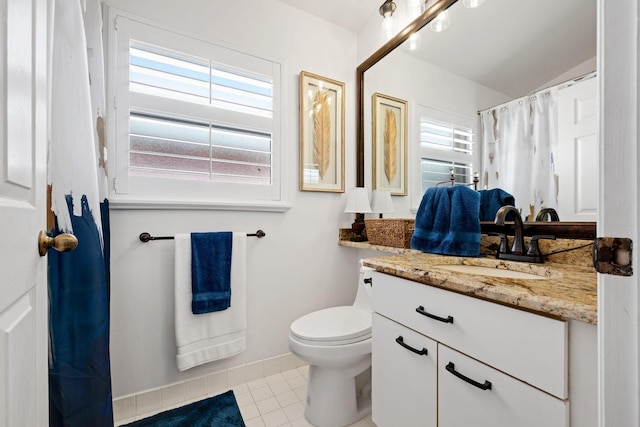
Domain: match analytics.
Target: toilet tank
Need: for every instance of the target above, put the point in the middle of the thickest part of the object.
(364, 292)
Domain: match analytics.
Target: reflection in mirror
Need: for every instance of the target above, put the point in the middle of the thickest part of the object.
(489, 57)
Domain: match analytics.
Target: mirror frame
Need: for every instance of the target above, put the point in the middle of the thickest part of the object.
(576, 230)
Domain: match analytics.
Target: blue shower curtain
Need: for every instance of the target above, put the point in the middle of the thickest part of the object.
(79, 367)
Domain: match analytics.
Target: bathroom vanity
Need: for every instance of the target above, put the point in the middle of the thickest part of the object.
(483, 342)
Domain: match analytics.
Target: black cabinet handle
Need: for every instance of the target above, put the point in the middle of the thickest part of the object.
(448, 319)
(452, 368)
(422, 352)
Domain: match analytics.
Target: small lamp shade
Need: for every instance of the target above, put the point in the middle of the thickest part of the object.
(358, 201)
(381, 202)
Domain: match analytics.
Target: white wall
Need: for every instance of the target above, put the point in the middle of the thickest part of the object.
(298, 267)
(586, 67)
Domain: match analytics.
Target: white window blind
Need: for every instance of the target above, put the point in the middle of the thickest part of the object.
(180, 149)
(198, 80)
(194, 121)
(445, 147)
(446, 136)
(436, 171)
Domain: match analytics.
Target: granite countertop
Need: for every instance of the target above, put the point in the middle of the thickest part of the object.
(569, 291)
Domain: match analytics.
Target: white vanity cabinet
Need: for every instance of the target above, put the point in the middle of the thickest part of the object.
(404, 373)
(486, 364)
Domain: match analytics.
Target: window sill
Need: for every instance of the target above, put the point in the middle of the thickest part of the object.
(226, 205)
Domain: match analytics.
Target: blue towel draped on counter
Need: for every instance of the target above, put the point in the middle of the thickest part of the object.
(448, 222)
(211, 271)
(492, 200)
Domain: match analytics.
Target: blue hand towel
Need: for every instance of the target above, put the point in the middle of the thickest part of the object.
(210, 271)
(448, 222)
(491, 201)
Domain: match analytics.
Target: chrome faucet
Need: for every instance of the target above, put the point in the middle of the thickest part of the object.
(550, 212)
(516, 253)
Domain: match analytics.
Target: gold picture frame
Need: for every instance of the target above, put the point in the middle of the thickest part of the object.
(321, 133)
(389, 158)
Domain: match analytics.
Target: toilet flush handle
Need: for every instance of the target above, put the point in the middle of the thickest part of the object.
(369, 281)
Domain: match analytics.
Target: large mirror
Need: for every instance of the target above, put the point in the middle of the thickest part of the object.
(488, 56)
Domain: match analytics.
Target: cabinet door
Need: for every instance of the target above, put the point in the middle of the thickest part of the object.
(474, 394)
(404, 369)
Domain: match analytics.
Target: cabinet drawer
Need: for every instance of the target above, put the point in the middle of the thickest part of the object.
(404, 388)
(508, 402)
(522, 344)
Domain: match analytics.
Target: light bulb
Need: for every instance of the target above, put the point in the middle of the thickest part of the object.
(414, 41)
(472, 3)
(387, 27)
(441, 22)
(414, 8)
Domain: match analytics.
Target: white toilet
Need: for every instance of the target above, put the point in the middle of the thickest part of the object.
(336, 343)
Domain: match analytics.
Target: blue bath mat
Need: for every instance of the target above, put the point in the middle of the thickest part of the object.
(216, 411)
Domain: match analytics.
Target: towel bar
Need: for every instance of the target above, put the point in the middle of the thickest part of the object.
(145, 237)
(452, 179)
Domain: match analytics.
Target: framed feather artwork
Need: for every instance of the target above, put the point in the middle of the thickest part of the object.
(389, 158)
(321, 133)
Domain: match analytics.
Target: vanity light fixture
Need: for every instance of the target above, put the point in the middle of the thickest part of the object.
(440, 22)
(381, 202)
(358, 203)
(414, 8)
(386, 10)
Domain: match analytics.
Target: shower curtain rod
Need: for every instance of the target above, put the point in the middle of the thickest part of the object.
(146, 237)
(563, 84)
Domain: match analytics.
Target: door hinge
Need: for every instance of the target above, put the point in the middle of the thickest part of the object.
(115, 102)
(613, 255)
(115, 23)
(115, 186)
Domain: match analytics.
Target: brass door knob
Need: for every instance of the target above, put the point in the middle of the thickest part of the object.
(62, 242)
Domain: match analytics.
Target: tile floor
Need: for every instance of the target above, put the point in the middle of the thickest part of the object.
(273, 401)
(278, 400)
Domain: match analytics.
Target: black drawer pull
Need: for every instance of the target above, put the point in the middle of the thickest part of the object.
(452, 368)
(422, 352)
(448, 319)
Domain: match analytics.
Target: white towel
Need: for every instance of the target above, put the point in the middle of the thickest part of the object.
(202, 338)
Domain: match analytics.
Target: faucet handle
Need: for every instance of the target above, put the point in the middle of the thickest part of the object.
(504, 243)
(534, 248)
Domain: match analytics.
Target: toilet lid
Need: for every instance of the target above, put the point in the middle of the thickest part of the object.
(347, 323)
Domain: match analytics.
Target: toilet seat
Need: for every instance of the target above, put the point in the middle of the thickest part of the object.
(333, 326)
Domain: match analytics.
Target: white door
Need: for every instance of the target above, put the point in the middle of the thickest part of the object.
(23, 136)
(578, 152)
(618, 317)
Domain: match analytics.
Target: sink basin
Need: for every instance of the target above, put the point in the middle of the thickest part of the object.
(489, 271)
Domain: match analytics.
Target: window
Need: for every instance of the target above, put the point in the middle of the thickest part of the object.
(195, 122)
(447, 146)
